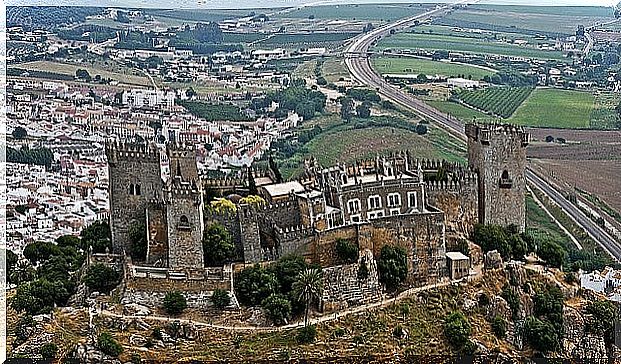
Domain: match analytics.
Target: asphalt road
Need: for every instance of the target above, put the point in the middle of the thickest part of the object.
(358, 63)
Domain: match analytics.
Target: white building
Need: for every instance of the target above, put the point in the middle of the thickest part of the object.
(149, 98)
(462, 83)
(607, 282)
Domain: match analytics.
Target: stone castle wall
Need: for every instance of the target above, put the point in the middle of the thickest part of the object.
(343, 287)
(185, 240)
(460, 203)
(157, 233)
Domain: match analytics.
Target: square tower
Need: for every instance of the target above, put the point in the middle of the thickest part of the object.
(497, 153)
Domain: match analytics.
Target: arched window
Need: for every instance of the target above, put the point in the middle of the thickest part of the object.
(132, 189)
(184, 222)
(137, 190)
(505, 180)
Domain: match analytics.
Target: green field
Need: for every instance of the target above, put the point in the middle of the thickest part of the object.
(526, 19)
(130, 77)
(461, 112)
(501, 101)
(555, 108)
(464, 45)
(334, 70)
(303, 39)
(604, 115)
(387, 12)
(405, 65)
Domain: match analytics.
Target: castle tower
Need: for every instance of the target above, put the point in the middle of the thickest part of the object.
(184, 210)
(134, 179)
(497, 153)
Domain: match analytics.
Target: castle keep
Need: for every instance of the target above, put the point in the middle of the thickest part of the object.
(423, 206)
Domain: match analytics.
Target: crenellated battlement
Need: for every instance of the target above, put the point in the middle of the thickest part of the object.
(223, 182)
(293, 233)
(485, 132)
(128, 150)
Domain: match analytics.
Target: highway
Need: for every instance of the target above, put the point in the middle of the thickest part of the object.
(358, 64)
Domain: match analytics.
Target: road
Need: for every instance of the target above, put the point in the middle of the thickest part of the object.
(358, 64)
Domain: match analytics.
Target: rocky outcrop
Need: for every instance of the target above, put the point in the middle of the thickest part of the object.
(517, 274)
(573, 326)
(590, 347)
(85, 353)
(493, 260)
(476, 253)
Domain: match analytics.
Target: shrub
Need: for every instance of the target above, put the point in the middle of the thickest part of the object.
(218, 247)
(220, 298)
(513, 300)
(254, 284)
(552, 253)
(157, 333)
(346, 251)
(499, 327)
(135, 358)
(277, 308)
(398, 332)
(392, 266)
(48, 351)
(138, 238)
(484, 299)
(363, 271)
(307, 334)
(540, 334)
(457, 329)
(107, 344)
(602, 317)
(101, 278)
(174, 303)
(338, 332)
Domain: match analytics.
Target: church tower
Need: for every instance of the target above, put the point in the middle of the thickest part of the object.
(497, 153)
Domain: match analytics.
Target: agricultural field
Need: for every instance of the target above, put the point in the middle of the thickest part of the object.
(410, 65)
(526, 19)
(501, 101)
(461, 112)
(583, 145)
(433, 42)
(198, 15)
(334, 69)
(333, 39)
(604, 115)
(371, 12)
(131, 77)
(555, 108)
(235, 38)
(476, 34)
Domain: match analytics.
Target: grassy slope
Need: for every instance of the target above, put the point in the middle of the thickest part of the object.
(387, 12)
(463, 44)
(555, 108)
(422, 66)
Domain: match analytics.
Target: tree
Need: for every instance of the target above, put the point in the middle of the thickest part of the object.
(254, 284)
(552, 253)
(107, 344)
(422, 78)
(19, 133)
(346, 251)
(601, 319)
(499, 327)
(68, 241)
(82, 74)
(39, 296)
(218, 247)
(457, 329)
(421, 129)
(101, 278)
(308, 287)
(208, 33)
(97, 235)
(306, 334)
(363, 110)
(220, 298)
(48, 351)
(252, 185)
(11, 261)
(347, 108)
(540, 334)
(277, 308)
(287, 270)
(22, 272)
(40, 251)
(174, 303)
(137, 233)
(392, 266)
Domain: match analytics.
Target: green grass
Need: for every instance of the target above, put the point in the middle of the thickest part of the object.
(501, 101)
(591, 11)
(334, 69)
(604, 115)
(387, 12)
(464, 45)
(406, 65)
(523, 20)
(314, 39)
(555, 108)
(461, 112)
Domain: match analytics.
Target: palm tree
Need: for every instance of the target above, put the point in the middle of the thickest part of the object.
(307, 287)
(23, 272)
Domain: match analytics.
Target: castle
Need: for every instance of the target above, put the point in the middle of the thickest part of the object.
(423, 206)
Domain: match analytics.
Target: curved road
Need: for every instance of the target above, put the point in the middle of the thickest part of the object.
(357, 61)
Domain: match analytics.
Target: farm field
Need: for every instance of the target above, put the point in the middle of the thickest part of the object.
(307, 39)
(600, 178)
(380, 12)
(524, 20)
(604, 115)
(501, 101)
(410, 65)
(555, 108)
(583, 145)
(334, 69)
(461, 112)
(434, 42)
(70, 69)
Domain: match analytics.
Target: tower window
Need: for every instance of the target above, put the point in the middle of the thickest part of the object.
(132, 189)
(184, 222)
(137, 190)
(505, 180)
